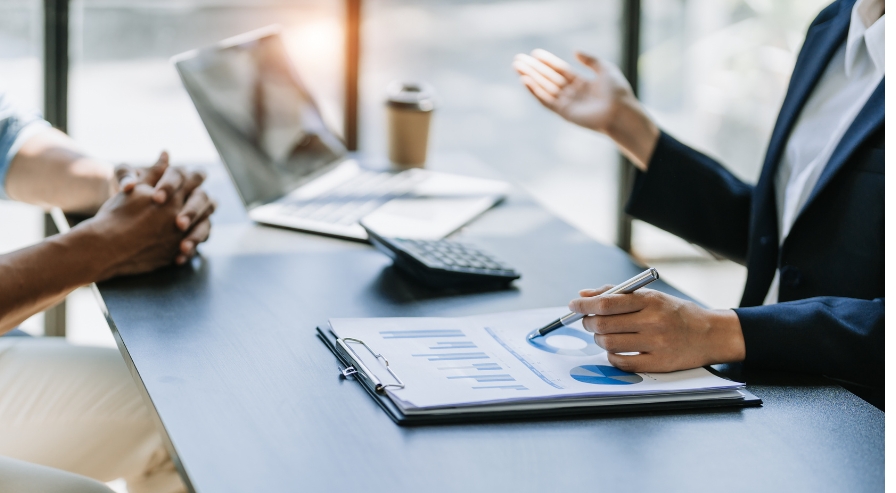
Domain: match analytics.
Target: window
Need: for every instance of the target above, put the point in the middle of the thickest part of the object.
(126, 101)
(464, 50)
(713, 74)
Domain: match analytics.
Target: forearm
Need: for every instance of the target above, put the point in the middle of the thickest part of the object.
(633, 131)
(838, 337)
(717, 218)
(35, 278)
(50, 171)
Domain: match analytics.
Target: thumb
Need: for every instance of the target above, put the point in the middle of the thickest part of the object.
(589, 61)
(155, 172)
(126, 177)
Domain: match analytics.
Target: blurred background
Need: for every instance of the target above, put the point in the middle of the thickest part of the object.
(712, 72)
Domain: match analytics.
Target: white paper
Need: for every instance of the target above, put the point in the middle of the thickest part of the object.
(488, 359)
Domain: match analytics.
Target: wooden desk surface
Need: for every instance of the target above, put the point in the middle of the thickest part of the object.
(250, 399)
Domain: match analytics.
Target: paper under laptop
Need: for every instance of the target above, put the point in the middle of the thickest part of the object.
(486, 363)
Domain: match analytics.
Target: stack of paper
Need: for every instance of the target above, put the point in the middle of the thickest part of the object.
(487, 363)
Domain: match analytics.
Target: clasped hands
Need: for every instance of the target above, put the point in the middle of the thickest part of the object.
(156, 216)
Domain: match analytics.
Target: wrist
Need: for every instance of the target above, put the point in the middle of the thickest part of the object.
(99, 184)
(633, 131)
(87, 245)
(727, 337)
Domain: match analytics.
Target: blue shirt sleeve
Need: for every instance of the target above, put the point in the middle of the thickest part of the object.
(16, 127)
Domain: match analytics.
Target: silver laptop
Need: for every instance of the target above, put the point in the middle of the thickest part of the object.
(291, 170)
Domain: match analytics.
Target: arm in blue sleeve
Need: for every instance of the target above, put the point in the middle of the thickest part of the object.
(692, 196)
(15, 128)
(842, 338)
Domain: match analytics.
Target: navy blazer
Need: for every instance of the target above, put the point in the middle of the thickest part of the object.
(830, 318)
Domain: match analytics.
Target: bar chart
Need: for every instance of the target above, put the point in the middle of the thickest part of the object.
(454, 345)
(421, 334)
(474, 366)
(485, 378)
(459, 355)
(502, 387)
(451, 356)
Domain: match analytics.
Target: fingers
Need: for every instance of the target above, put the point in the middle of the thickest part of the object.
(589, 61)
(198, 207)
(192, 181)
(587, 293)
(177, 180)
(613, 304)
(546, 76)
(127, 177)
(170, 181)
(631, 363)
(540, 80)
(554, 62)
(622, 343)
(540, 94)
(155, 172)
(196, 236)
(626, 323)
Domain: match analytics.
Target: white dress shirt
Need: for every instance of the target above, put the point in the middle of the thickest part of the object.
(854, 72)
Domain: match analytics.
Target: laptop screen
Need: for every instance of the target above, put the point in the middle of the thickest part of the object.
(262, 120)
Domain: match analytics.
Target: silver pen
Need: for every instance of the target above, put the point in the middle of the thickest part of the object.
(630, 286)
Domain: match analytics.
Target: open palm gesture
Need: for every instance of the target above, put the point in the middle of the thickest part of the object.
(604, 103)
(590, 103)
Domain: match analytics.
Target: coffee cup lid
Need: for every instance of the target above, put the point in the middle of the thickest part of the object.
(418, 96)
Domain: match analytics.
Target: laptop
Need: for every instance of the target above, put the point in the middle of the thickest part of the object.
(291, 170)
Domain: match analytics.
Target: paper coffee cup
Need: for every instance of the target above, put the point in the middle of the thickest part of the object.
(409, 107)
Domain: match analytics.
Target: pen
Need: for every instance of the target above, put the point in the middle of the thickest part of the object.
(630, 286)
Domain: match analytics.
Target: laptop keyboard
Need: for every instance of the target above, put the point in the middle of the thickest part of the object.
(347, 203)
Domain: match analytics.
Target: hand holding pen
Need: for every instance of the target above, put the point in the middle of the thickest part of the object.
(630, 286)
(651, 331)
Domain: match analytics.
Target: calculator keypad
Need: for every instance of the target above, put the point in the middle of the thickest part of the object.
(452, 255)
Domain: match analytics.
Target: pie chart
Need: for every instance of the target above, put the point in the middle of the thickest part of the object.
(603, 375)
(567, 341)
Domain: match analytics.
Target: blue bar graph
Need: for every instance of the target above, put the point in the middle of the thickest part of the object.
(504, 387)
(451, 356)
(474, 366)
(454, 345)
(487, 366)
(420, 334)
(486, 378)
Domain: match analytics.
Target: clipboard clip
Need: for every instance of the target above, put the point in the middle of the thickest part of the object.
(358, 368)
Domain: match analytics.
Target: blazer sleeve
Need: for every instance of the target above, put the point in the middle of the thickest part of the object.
(692, 196)
(841, 338)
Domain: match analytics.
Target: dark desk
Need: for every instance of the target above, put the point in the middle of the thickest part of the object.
(250, 399)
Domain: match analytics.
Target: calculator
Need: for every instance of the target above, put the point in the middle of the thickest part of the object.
(445, 263)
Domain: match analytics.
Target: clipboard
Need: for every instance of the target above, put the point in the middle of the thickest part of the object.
(351, 367)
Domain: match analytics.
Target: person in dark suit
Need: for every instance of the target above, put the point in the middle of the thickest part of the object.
(811, 231)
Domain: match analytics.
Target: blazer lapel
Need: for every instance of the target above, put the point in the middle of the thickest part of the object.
(867, 121)
(822, 41)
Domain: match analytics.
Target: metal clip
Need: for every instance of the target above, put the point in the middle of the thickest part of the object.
(347, 372)
(359, 368)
